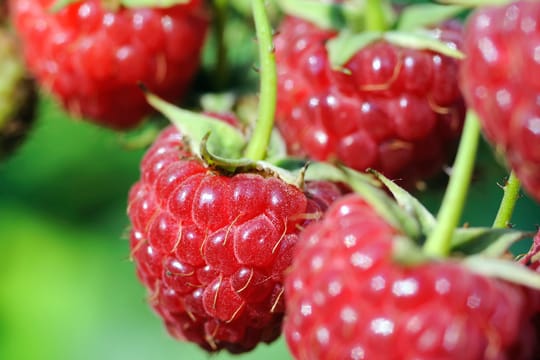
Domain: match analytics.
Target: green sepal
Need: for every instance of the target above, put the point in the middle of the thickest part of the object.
(290, 163)
(245, 165)
(504, 269)
(318, 170)
(347, 43)
(226, 141)
(486, 241)
(423, 40)
(218, 102)
(407, 252)
(424, 15)
(342, 47)
(327, 15)
(408, 203)
(216, 161)
(367, 188)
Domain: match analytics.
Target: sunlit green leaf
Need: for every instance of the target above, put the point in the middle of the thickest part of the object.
(426, 14)
(224, 140)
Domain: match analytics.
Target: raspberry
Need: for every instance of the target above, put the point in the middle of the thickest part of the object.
(501, 44)
(212, 249)
(92, 59)
(348, 298)
(397, 110)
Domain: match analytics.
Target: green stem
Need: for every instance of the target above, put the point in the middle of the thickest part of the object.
(256, 149)
(439, 241)
(508, 202)
(375, 16)
(222, 65)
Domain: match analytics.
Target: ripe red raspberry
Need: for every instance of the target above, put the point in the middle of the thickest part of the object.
(348, 298)
(212, 249)
(397, 110)
(92, 59)
(499, 80)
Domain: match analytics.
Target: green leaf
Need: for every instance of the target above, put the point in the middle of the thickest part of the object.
(366, 187)
(342, 47)
(225, 140)
(486, 241)
(422, 40)
(326, 171)
(427, 14)
(503, 269)
(379, 15)
(216, 161)
(327, 15)
(409, 203)
(290, 163)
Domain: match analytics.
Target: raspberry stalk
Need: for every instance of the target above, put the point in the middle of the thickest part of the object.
(439, 241)
(256, 149)
(221, 66)
(508, 202)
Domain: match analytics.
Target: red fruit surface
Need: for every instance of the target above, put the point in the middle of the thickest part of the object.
(211, 249)
(92, 59)
(347, 298)
(500, 81)
(396, 110)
